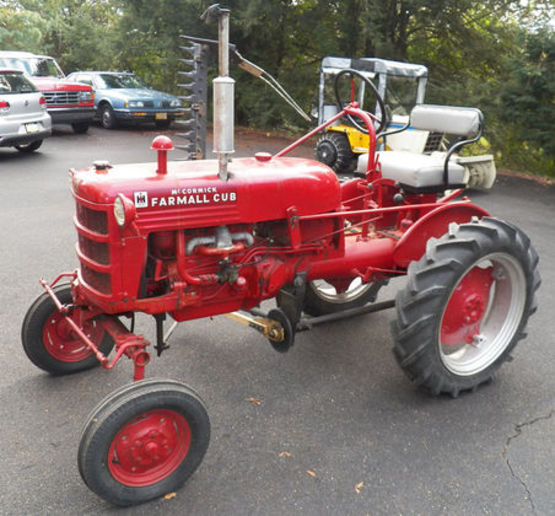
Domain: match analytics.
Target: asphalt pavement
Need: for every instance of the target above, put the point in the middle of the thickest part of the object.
(333, 427)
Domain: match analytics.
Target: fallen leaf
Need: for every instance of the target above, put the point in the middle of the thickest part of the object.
(284, 454)
(358, 487)
(169, 496)
(254, 401)
(311, 473)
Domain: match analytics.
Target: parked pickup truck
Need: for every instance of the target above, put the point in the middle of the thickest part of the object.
(67, 102)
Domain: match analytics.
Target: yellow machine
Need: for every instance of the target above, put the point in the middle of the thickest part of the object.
(402, 86)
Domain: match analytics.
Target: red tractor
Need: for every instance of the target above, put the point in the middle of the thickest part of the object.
(200, 238)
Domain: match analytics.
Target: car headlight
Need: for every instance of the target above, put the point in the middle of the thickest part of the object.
(134, 103)
(175, 103)
(124, 211)
(85, 96)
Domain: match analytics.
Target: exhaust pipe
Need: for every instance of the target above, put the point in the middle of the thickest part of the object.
(223, 93)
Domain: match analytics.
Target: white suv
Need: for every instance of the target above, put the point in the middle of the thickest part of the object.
(24, 121)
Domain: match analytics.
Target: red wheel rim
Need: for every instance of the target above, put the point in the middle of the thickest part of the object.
(466, 308)
(62, 343)
(149, 448)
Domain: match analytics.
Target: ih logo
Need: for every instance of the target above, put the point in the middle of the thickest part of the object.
(141, 199)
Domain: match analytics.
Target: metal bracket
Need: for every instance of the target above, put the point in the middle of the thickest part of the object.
(270, 328)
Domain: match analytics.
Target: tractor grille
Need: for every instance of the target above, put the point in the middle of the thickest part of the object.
(94, 220)
(57, 98)
(97, 251)
(93, 248)
(97, 280)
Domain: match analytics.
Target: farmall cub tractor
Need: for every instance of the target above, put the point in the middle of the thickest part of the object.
(196, 239)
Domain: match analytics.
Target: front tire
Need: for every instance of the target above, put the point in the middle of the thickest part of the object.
(80, 128)
(143, 441)
(49, 341)
(465, 306)
(107, 117)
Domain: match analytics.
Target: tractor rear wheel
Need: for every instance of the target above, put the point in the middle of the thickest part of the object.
(143, 441)
(51, 344)
(334, 150)
(465, 306)
(323, 297)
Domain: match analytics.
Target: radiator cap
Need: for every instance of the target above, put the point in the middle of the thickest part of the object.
(161, 142)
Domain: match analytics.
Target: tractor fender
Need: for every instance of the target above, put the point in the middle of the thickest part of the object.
(435, 223)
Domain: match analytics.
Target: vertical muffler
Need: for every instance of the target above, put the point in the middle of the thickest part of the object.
(223, 86)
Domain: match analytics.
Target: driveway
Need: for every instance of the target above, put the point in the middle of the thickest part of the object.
(331, 427)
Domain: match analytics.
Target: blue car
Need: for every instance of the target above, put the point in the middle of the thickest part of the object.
(122, 97)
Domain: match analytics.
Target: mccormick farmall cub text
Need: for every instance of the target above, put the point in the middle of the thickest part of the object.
(194, 239)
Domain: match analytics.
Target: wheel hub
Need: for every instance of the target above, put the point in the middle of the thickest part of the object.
(467, 307)
(61, 341)
(149, 447)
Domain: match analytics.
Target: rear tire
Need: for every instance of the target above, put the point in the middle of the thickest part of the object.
(143, 441)
(50, 343)
(334, 150)
(29, 147)
(465, 306)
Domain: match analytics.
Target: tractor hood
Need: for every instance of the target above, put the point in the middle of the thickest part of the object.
(258, 189)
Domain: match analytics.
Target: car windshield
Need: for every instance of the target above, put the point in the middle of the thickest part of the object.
(35, 66)
(110, 80)
(15, 83)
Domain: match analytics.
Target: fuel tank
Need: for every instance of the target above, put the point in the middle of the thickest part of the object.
(190, 194)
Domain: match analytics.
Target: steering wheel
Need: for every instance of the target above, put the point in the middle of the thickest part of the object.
(381, 121)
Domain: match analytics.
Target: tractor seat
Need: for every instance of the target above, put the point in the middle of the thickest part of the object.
(419, 171)
(423, 173)
(416, 172)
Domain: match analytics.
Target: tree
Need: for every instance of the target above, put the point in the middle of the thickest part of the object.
(527, 107)
(20, 29)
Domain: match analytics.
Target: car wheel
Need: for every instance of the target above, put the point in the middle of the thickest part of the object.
(107, 117)
(80, 128)
(29, 147)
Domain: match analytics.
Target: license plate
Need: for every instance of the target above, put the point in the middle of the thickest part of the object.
(34, 127)
(161, 116)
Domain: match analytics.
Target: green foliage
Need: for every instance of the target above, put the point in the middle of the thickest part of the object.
(528, 103)
(20, 30)
(496, 55)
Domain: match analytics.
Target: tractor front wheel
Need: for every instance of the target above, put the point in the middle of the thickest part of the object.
(143, 441)
(465, 306)
(50, 342)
